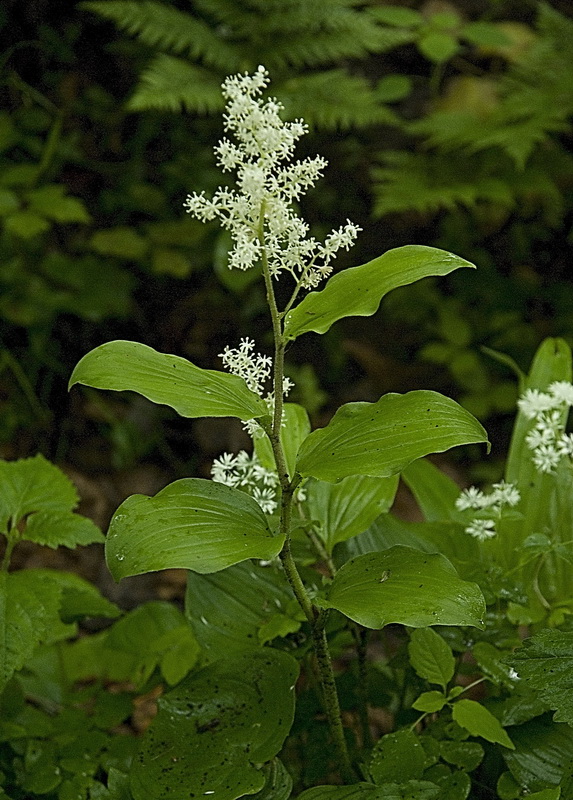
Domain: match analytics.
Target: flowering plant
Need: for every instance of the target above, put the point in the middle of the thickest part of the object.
(299, 501)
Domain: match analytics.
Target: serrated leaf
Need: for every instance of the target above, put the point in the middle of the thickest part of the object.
(226, 719)
(33, 485)
(228, 609)
(545, 664)
(358, 291)
(476, 719)
(405, 586)
(170, 380)
(28, 609)
(347, 508)
(430, 702)
(62, 529)
(380, 439)
(191, 524)
(431, 657)
(397, 758)
(491, 662)
(543, 751)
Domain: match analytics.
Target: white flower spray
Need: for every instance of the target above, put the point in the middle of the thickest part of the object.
(490, 507)
(262, 221)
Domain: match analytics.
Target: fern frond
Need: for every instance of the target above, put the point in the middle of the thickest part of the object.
(333, 99)
(167, 28)
(171, 84)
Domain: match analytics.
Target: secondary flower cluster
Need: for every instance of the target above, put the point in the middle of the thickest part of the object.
(547, 439)
(259, 213)
(247, 473)
(490, 505)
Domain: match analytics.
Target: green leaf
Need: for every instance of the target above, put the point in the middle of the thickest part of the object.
(358, 291)
(438, 46)
(278, 784)
(405, 586)
(543, 751)
(121, 242)
(79, 597)
(398, 16)
(33, 485)
(26, 224)
(170, 380)
(216, 728)
(410, 790)
(485, 34)
(347, 508)
(229, 609)
(295, 428)
(431, 657)
(465, 755)
(397, 757)
(50, 202)
(434, 492)
(380, 439)
(156, 634)
(61, 528)
(29, 608)
(191, 524)
(9, 202)
(491, 662)
(430, 702)
(476, 719)
(545, 664)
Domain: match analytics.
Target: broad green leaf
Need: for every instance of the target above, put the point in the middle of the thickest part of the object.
(405, 586)
(80, 598)
(347, 508)
(411, 790)
(522, 705)
(433, 490)
(50, 201)
(491, 662)
(455, 786)
(543, 751)
(191, 524)
(170, 380)
(215, 730)
(358, 291)
(476, 719)
(61, 528)
(431, 657)
(29, 608)
(31, 485)
(156, 634)
(122, 242)
(465, 755)
(545, 664)
(278, 784)
(430, 702)
(295, 428)
(397, 757)
(380, 439)
(229, 610)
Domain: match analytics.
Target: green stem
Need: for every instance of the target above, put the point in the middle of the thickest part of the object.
(330, 697)
(10, 544)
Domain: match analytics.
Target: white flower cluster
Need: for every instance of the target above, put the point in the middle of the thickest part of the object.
(491, 505)
(247, 473)
(259, 213)
(547, 439)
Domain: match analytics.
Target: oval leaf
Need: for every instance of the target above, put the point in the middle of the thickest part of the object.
(476, 719)
(191, 524)
(380, 439)
(431, 657)
(357, 292)
(405, 586)
(215, 729)
(170, 380)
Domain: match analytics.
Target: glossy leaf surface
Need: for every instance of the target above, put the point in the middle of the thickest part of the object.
(169, 380)
(410, 790)
(358, 291)
(431, 657)
(476, 719)
(347, 508)
(191, 524)
(380, 439)
(405, 586)
(216, 728)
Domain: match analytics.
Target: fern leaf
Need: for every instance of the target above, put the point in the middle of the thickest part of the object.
(170, 84)
(165, 27)
(333, 99)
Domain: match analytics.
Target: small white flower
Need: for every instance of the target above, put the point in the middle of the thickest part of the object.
(562, 391)
(247, 473)
(481, 529)
(533, 402)
(505, 494)
(546, 457)
(470, 498)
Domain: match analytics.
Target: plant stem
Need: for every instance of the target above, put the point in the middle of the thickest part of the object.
(315, 616)
(361, 638)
